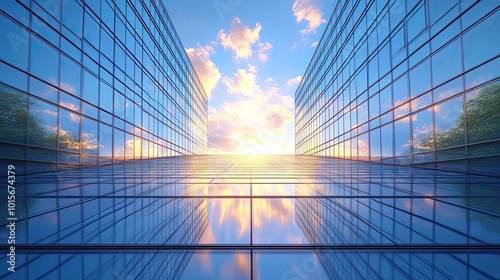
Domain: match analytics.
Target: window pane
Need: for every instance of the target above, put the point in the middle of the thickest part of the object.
(385, 99)
(92, 29)
(423, 131)
(89, 136)
(446, 63)
(72, 17)
(375, 145)
(43, 124)
(387, 140)
(119, 58)
(385, 60)
(42, 154)
(129, 110)
(90, 110)
(16, 11)
(483, 114)
(107, 44)
(483, 74)
(119, 105)
(362, 111)
(14, 47)
(105, 140)
(95, 5)
(397, 47)
(69, 157)
(43, 90)
(45, 30)
(373, 70)
(400, 90)
(137, 147)
(363, 148)
(374, 107)
(14, 116)
(402, 136)
(70, 76)
(119, 146)
(107, 15)
(129, 146)
(90, 88)
(397, 12)
(449, 123)
(479, 44)
(44, 61)
(69, 102)
(69, 131)
(13, 77)
(416, 24)
(437, 9)
(383, 27)
(421, 102)
(447, 90)
(106, 97)
(420, 79)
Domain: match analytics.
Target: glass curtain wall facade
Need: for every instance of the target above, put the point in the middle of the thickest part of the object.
(405, 82)
(94, 82)
(133, 206)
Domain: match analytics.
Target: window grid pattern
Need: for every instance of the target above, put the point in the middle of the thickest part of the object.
(403, 82)
(94, 82)
(235, 217)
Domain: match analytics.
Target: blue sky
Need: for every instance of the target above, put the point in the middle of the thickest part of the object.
(249, 56)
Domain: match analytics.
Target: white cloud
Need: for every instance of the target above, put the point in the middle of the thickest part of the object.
(243, 81)
(263, 48)
(309, 11)
(314, 44)
(294, 81)
(241, 39)
(256, 126)
(206, 69)
(258, 122)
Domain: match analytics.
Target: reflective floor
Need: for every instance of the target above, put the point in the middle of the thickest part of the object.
(255, 217)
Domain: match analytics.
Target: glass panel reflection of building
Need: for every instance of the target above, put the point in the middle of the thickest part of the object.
(100, 223)
(405, 82)
(378, 219)
(95, 82)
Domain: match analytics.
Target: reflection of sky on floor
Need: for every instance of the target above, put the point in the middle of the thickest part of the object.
(273, 219)
(283, 217)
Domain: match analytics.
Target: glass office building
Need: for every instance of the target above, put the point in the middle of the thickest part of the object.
(369, 208)
(94, 82)
(85, 83)
(405, 82)
(109, 229)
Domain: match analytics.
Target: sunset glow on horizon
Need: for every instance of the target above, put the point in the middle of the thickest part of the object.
(250, 66)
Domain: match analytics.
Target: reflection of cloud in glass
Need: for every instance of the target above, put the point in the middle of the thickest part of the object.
(68, 87)
(69, 105)
(363, 148)
(89, 141)
(48, 112)
(241, 261)
(68, 141)
(402, 110)
(421, 138)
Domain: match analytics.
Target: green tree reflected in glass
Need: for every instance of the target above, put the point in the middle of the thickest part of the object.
(17, 123)
(482, 119)
(14, 117)
(483, 115)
